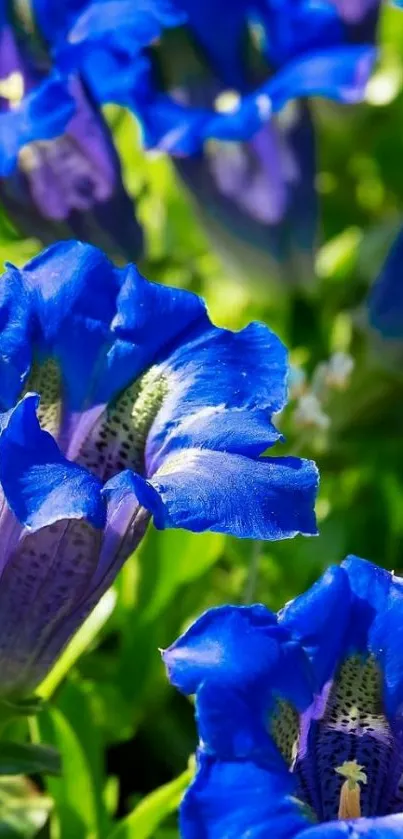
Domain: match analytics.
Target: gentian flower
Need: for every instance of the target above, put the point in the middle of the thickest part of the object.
(59, 171)
(212, 93)
(385, 302)
(299, 713)
(120, 401)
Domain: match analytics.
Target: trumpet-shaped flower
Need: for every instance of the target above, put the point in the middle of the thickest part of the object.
(59, 171)
(212, 93)
(299, 713)
(122, 401)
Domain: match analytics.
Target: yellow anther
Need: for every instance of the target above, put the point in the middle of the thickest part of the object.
(350, 793)
(12, 88)
(227, 102)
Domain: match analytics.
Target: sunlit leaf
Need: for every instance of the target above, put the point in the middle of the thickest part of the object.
(77, 646)
(73, 792)
(152, 810)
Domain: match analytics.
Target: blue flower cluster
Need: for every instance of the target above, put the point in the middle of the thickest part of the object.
(222, 90)
(299, 713)
(59, 171)
(120, 401)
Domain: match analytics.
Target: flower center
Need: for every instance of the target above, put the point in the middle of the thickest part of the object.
(118, 439)
(342, 750)
(118, 436)
(350, 793)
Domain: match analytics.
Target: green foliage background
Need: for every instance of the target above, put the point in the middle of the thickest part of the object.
(124, 736)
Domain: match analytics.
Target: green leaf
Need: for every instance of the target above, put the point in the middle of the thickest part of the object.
(78, 702)
(152, 810)
(27, 759)
(79, 643)
(22, 811)
(171, 559)
(73, 792)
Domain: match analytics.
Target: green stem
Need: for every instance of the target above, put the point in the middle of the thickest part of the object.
(253, 570)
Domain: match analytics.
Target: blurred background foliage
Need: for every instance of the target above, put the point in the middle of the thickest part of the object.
(124, 735)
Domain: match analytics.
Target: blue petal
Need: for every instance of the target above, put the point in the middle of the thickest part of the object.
(198, 489)
(369, 622)
(378, 611)
(220, 35)
(250, 369)
(42, 115)
(236, 430)
(117, 25)
(370, 587)
(53, 19)
(385, 827)
(237, 644)
(238, 658)
(104, 325)
(240, 801)
(318, 622)
(39, 484)
(340, 73)
(15, 336)
(297, 28)
(385, 302)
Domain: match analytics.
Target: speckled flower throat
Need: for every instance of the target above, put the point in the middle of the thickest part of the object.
(344, 752)
(115, 438)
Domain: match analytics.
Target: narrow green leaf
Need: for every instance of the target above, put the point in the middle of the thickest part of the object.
(77, 646)
(27, 759)
(152, 810)
(170, 560)
(73, 792)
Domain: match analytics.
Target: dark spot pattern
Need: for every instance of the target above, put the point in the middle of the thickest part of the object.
(353, 728)
(46, 577)
(284, 728)
(118, 438)
(45, 379)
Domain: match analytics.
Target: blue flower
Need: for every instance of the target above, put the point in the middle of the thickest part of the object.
(59, 171)
(145, 409)
(212, 94)
(385, 302)
(299, 713)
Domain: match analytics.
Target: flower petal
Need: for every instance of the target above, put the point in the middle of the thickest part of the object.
(317, 622)
(339, 73)
(15, 336)
(386, 827)
(239, 658)
(42, 115)
(198, 489)
(103, 324)
(240, 800)
(39, 484)
(234, 643)
(116, 24)
(385, 303)
(379, 606)
(208, 380)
